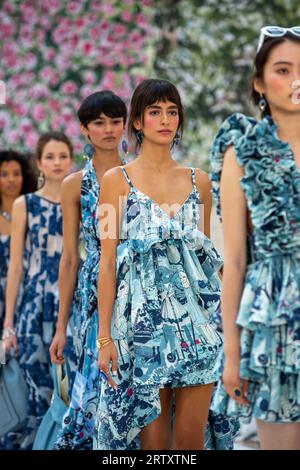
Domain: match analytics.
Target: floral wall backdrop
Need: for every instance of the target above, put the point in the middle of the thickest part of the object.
(54, 53)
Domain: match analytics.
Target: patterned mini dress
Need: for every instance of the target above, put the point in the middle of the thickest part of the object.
(168, 290)
(269, 312)
(37, 312)
(78, 423)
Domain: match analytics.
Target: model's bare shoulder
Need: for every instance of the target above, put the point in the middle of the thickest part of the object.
(71, 186)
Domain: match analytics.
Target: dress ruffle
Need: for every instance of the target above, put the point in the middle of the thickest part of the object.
(269, 314)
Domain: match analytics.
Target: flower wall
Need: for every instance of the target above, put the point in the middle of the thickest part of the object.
(54, 53)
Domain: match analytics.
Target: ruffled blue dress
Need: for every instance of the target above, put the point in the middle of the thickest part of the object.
(168, 290)
(269, 313)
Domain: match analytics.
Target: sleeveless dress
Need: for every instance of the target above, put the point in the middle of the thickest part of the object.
(78, 422)
(269, 313)
(167, 291)
(37, 312)
(4, 260)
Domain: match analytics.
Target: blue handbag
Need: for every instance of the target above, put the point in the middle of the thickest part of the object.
(52, 421)
(13, 396)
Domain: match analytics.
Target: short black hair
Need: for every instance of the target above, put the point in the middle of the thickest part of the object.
(106, 102)
(28, 168)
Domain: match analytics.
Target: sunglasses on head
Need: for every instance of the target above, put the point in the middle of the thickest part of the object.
(276, 32)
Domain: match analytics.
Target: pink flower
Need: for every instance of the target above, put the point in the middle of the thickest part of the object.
(49, 54)
(30, 61)
(197, 341)
(72, 129)
(39, 113)
(107, 8)
(74, 7)
(7, 29)
(126, 16)
(87, 48)
(40, 91)
(13, 137)
(184, 345)
(130, 392)
(141, 20)
(69, 87)
(4, 119)
(119, 30)
(53, 105)
(31, 139)
(20, 109)
(8, 6)
(89, 76)
(94, 34)
(49, 75)
(86, 90)
(26, 125)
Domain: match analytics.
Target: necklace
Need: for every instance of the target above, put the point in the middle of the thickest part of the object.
(6, 215)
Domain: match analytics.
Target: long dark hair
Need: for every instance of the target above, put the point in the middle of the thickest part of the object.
(147, 93)
(260, 62)
(28, 169)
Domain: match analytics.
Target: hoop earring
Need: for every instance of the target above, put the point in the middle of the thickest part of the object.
(140, 137)
(41, 180)
(88, 152)
(262, 104)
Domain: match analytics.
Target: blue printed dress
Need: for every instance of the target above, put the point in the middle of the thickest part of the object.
(78, 423)
(37, 312)
(269, 313)
(4, 259)
(167, 291)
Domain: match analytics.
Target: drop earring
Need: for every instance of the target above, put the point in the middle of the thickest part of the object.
(88, 152)
(41, 180)
(262, 104)
(124, 145)
(140, 137)
(176, 138)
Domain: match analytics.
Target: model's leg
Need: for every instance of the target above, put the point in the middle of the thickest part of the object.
(191, 414)
(157, 435)
(279, 436)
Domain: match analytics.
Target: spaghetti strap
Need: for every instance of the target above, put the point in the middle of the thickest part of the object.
(127, 177)
(194, 178)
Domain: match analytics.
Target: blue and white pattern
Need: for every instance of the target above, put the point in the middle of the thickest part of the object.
(269, 313)
(78, 423)
(4, 259)
(37, 312)
(167, 291)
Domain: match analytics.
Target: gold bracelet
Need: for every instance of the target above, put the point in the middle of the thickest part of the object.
(101, 343)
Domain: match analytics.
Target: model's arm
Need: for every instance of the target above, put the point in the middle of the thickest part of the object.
(69, 262)
(15, 269)
(234, 215)
(204, 189)
(112, 188)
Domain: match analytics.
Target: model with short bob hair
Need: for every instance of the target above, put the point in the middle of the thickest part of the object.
(256, 183)
(158, 288)
(102, 121)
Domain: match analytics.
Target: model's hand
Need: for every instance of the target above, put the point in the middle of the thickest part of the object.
(57, 347)
(108, 356)
(235, 386)
(11, 343)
